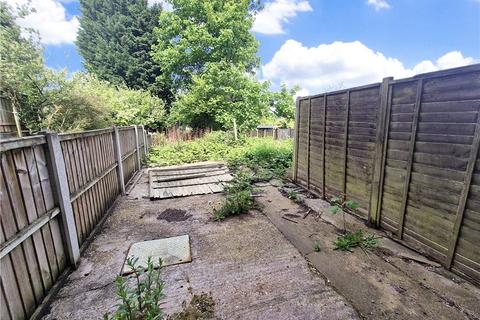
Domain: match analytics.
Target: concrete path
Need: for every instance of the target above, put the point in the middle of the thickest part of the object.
(391, 282)
(250, 268)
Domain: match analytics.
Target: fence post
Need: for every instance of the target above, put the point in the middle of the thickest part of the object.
(295, 153)
(308, 141)
(139, 164)
(345, 142)
(144, 138)
(62, 197)
(380, 152)
(118, 156)
(324, 132)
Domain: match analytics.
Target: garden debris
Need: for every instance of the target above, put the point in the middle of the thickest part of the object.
(289, 219)
(186, 180)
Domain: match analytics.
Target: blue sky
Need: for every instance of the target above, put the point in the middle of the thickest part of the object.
(322, 44)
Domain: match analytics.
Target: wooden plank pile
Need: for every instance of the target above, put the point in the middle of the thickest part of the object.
(188, 180)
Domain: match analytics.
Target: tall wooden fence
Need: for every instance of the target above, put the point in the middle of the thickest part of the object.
(54, 191)
(405, 150)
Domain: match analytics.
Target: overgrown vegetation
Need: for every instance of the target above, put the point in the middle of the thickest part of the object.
(140, 300)
(251, 160)
(349, 240)
(265, 157)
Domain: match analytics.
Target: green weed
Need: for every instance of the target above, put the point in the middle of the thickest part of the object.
(238, 196)
(317, 247)
(337, 205)
(142, 300)
(349, 240)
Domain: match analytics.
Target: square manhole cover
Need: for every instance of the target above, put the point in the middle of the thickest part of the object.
(173, 250)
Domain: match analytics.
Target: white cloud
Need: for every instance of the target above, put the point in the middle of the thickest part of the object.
(378, 4)
(50, 19)
(275, 14)
(165, 5)
(343, 64)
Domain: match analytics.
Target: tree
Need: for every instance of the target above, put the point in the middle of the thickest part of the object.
(115, 39)
(199, 32)
(220, 94)
(282, 105)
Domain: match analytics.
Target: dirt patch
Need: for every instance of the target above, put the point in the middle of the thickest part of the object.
(200, 307)
(173, 215)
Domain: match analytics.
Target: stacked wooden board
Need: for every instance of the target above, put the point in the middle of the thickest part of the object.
(188, 180)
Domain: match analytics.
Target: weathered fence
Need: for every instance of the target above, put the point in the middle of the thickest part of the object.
(275, 133)
(405, 150)
(8, 121)
(54, 191)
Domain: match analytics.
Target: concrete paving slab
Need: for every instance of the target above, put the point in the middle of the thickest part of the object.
(173, 250)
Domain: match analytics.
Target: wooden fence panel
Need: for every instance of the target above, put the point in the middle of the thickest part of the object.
(407, 152)
(316, 144)
(128, 147)
(301, 159)
(32, 252)
(90, 167)
(8, 127)
(362, 124)
(32, 239)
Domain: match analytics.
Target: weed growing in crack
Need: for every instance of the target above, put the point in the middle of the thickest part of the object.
(238, 196)
(337, 205)
(292, 195)
(349, 240)
(142, 300)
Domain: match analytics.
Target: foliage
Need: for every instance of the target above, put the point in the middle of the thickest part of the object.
(124, 106)
(338, 205)
(199, 32)
(259, 154)
(141, 301)
(115, 40)
(239, 196)
(49, 100)
(317, 247)
(349, 240)
(220, 94)
(282, 106)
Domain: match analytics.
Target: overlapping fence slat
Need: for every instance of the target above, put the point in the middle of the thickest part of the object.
(34, 247)
(405, 150)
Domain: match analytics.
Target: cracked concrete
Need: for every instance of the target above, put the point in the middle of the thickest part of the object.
(251, 269)
(391, 282)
